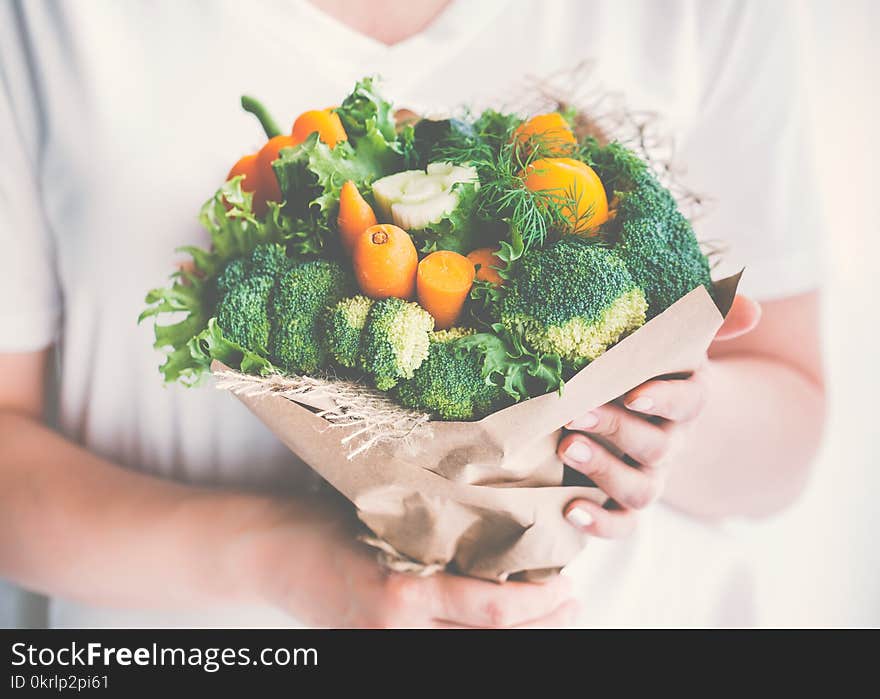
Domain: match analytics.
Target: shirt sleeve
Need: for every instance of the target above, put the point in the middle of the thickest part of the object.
(29, 294)
(749, 149)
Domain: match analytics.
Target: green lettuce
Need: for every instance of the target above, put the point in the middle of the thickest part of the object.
(193, 340)
(311, 174)
(364, 106)
(510, 365)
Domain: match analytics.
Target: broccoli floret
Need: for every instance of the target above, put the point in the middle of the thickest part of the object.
(617, 166)
(244, 290)
(395, 341)
(658, 245)
(242, 313)
(344, 329)
(297, 309)
(654, 239)
(574, 299)
(449, 384)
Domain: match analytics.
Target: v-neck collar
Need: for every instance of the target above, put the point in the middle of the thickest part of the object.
(346, 54)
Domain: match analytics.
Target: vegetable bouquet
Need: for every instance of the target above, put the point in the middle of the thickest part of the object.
(447, 294)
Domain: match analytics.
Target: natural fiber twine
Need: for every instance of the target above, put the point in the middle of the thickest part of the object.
(349, 404)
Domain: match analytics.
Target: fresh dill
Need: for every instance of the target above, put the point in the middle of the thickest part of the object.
(533, 215)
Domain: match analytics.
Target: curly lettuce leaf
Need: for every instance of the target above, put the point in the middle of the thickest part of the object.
(485, 300)
(311, 174)
(508, 364)
(210, 344)
(365, 105)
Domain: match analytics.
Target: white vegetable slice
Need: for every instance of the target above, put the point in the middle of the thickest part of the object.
(389, 189)
(415, 199)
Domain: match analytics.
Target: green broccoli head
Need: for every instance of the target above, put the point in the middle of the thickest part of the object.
(653, 238)
(450, 384)
(344, 329)
(395, 341)
(658, 245)
(617, 166)
(574, 299)
(244, 289)
(297, 309)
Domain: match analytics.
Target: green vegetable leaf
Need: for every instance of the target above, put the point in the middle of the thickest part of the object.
(510, 365)
(311, 174)
(365, 105)
(432, 134)
(210, 344)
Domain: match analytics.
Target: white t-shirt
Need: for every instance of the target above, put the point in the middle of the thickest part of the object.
(118, 119)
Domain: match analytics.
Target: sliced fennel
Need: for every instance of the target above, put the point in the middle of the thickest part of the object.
(416, 199)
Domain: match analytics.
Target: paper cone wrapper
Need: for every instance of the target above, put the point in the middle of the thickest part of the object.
(486, 498)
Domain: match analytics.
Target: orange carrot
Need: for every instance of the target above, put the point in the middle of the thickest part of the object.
(550, 131)
(487, 260)
(325, 121)
(444, 281)
(355, 215)
(385, 261)
(575, 186)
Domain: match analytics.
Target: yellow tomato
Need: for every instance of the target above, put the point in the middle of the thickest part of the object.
(573, 186)
(551, 131)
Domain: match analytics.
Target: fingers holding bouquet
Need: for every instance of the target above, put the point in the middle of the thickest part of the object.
(627, 447)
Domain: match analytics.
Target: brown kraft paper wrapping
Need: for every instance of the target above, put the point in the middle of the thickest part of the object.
(486, 498)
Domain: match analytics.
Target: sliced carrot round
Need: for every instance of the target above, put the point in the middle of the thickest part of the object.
(444, 280)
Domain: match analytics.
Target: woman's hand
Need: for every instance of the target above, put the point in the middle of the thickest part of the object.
(643, 431)
(641, 435)
(335, 581)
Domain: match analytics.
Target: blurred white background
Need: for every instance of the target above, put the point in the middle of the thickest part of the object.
(819, 563)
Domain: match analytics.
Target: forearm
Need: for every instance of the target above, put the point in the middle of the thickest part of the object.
(75, 525)
(749, 451)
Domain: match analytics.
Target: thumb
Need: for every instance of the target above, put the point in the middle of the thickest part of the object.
(743, 316)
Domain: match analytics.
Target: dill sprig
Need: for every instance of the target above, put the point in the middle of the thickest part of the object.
(533, 216)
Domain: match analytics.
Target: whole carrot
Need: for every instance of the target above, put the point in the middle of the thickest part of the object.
(385, 261)
(355, 215)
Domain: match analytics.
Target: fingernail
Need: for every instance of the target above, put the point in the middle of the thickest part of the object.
(578, 451)
(641, 404)
(585, 422)
(579, 518)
